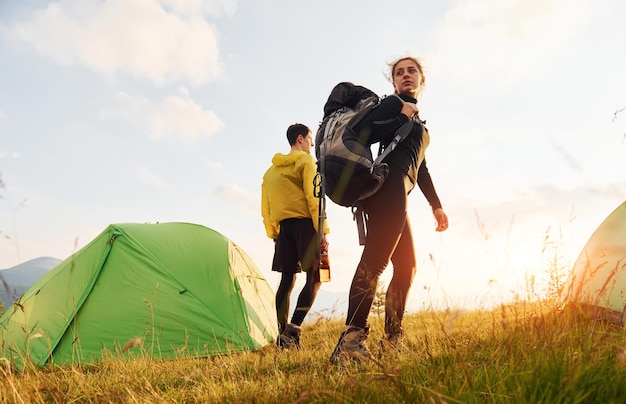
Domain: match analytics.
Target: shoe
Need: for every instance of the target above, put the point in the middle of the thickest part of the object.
(393, 342)
(290, 337)
(351, 345)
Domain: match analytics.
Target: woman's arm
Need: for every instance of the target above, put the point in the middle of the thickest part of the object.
(425, 182)
(381, 123)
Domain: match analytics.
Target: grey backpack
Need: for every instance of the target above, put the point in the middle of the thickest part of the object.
(349, 173)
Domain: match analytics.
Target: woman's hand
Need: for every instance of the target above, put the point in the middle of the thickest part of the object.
(410, 110)
(442, 219)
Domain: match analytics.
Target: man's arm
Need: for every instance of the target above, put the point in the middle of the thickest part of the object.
(270, 229)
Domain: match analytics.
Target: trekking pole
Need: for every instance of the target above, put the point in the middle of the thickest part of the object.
(318, 184)
(322, 256)
(359, 215)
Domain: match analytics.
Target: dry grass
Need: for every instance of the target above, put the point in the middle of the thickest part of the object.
(517, 353)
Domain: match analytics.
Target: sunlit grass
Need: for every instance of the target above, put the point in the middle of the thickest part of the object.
(528, 352)
(516, 353)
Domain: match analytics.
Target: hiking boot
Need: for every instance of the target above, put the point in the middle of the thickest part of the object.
(290, 337)
(393, 342)
(351, 345)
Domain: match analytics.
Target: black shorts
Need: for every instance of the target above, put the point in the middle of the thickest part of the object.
(296, 246)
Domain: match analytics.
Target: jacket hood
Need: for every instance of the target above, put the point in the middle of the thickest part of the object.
(284, 160)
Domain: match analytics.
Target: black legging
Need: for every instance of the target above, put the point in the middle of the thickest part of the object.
(305, 299)
(388, 238)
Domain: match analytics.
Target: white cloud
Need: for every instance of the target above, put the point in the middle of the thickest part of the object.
(503, 41)
(216, 166)
(146, 176)
(139, 37)
(174, 116)
(233, 193)
(208, 7)
(185, 119)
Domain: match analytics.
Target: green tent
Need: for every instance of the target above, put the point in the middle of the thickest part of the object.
(597, 282)
(143, 290)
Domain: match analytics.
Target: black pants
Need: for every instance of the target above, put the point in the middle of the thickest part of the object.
(305, 299)
(296, 249)
(388, 238)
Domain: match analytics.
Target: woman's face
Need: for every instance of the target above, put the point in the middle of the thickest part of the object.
(407, 78)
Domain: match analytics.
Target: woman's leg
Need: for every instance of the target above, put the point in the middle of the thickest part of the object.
(404, 267)
(386, 220)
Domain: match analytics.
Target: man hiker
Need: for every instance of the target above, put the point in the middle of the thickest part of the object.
(290, 215)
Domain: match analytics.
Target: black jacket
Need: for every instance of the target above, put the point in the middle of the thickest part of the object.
(382, 123)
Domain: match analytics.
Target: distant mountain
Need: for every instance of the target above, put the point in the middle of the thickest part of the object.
(21, 277)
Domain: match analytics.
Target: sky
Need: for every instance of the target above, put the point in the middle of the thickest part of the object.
(145, 111)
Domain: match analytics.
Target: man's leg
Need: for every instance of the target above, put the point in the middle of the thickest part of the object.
(287, 282)
(306, 297)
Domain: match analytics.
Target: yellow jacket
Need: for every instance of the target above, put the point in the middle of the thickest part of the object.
(287, 191)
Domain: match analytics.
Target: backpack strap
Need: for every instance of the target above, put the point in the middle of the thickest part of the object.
(359, 215)
(401, 134)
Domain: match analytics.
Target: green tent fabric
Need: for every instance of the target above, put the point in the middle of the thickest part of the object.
(160, 290)
(598, 278)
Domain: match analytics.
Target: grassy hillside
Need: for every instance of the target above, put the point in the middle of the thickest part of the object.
(518, 353)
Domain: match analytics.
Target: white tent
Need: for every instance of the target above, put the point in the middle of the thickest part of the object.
(598, 277)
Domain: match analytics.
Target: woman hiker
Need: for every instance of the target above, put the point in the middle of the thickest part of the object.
(389, 235)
